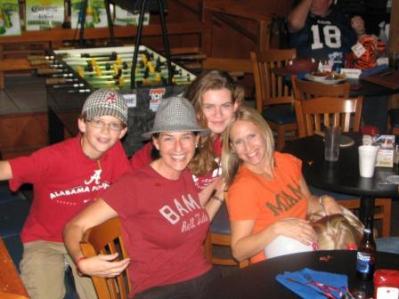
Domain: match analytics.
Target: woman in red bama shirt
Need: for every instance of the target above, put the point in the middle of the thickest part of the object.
(164, 219)
(215, 98)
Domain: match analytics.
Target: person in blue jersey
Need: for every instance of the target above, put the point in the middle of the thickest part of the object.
(319, 30)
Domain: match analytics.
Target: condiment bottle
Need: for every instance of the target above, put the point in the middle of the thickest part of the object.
(366, 253)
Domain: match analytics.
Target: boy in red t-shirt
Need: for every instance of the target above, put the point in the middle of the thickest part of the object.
(66, 177)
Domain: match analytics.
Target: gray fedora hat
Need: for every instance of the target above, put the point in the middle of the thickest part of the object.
(175, 114)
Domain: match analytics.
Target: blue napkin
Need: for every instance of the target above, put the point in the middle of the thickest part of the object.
(308, 283)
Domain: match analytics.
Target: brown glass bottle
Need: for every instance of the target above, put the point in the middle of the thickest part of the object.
(366, 253)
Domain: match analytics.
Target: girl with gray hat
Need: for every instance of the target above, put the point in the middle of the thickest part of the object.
(165, 218)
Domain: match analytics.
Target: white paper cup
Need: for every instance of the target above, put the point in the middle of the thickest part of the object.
(283, 245)
(367, 158)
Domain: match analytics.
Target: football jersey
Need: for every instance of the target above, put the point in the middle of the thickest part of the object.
(324, 38)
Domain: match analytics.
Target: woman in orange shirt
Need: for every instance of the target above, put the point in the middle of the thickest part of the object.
(268, 195)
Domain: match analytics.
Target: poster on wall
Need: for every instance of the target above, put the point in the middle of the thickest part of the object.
(124, 17)
(96, 15)
(9, 18)
(44, 14)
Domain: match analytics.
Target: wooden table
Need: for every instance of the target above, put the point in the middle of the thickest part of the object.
(258, 281)
(9, 65)
(11, 286)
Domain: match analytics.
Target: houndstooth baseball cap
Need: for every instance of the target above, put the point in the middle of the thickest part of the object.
(105, 102)
(175, 114)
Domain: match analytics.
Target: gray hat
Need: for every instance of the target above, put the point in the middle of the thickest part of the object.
(175, 114)
(105, 102)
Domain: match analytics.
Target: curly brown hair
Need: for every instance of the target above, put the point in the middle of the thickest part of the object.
(204, 161)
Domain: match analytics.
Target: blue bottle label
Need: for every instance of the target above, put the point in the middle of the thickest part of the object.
(364, 262)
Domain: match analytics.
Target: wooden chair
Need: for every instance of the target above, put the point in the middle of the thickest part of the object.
(106, 239)
(382, 213)
(11, 286)
(313, 114)
(273, 97)
(304, 90)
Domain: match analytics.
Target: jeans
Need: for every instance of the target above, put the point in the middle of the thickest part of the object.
(191, 289)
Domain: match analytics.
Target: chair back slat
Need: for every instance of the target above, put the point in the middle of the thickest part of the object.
(304, 90)
(106, 238)
(315, 114)
(271, 88)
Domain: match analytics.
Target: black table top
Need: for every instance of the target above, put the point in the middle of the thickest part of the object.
(364, 88)
(258, 281)
(341, 176)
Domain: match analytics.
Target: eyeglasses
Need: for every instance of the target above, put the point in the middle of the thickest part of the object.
(100, 124)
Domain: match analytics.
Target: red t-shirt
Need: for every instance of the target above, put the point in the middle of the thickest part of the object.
(253, 197)
(164, 227)
(64, 181)
(143, 157)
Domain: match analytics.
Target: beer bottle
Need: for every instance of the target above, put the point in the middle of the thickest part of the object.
(366, 253)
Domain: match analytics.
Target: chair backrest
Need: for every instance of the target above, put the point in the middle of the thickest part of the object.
(106, 239)
(304, 90)
(270, 87)
(11, 286)
(314, 114)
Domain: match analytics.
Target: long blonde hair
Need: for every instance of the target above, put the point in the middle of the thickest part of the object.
(204, 161)
(337, 231)
(230, 159)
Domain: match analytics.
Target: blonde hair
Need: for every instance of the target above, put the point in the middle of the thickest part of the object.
(209, 80)
(230, 160)
(337, 231)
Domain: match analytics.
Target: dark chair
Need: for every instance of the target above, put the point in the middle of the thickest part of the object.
(219, 236)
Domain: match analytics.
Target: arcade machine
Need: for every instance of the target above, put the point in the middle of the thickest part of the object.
(143, 77)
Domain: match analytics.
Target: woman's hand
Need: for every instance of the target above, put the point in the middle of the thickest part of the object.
(103, 265)
(299, 229)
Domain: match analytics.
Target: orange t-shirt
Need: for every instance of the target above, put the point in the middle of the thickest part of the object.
(254, 197)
